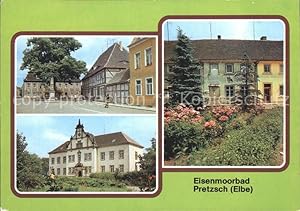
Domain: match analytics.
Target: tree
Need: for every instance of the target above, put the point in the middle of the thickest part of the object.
(51, 57)
(148, 168)
(29, 167)
(185, 76)
(247, 92)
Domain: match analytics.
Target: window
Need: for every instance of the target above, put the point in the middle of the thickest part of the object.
(136, 167)
(281, 92)
(52, 160)
(58, 160)
(148, 56)
(137, 60)
(121, 168)
(229, 91)
(229, 68)
(64, 171)
(102, 168)
(149, 86)
(136, 155)
(87, 156)
(71, 158)
(267, 68)
(138, 87)
(102, 155)
(58, 171)
(69, 170)
(214, 69)
(112, 168)
(121, 154)
(79, 143)
(281, 68)
(64, 159)
(111, 155)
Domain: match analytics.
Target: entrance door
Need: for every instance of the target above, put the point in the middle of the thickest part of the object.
(267, 93)
(80, 174)
(214, 91)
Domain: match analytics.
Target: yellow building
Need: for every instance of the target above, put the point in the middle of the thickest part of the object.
(271, 81)
(142, 60)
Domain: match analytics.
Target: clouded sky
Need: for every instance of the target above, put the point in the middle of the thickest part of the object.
(44, 133)
(228, 29)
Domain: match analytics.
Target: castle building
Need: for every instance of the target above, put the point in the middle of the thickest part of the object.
(86, 153)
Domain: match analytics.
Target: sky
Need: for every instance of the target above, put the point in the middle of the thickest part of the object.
(246, 29)
(92, 48)
(45, 133)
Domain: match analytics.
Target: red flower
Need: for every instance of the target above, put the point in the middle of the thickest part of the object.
(223, 118)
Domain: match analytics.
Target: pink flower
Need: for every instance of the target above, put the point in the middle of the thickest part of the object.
(210, 124)
(223, 118)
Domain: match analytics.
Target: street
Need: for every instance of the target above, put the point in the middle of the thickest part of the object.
(79, 107)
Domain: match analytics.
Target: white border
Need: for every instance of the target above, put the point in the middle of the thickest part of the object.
(94, 115)
(284, 106)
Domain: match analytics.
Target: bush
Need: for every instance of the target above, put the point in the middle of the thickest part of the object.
(252, 145)
(182, 137)
(103, 175)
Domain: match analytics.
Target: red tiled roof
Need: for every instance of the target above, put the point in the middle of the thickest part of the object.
(111, 139)
(261, 50)
(115, 56)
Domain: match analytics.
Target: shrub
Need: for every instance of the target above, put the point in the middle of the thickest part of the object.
(103, 175)
(182, 113)
(252, 145)
(71, 189)
(182, 137)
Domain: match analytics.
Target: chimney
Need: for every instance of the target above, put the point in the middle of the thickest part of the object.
(219, 37)
(263, 38)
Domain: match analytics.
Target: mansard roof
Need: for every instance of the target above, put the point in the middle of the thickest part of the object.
(222, 49)
(115, 56)
(106, 140)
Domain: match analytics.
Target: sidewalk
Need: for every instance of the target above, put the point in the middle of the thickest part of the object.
(130, 106)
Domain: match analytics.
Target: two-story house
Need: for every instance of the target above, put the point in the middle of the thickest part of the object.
(34, 87)
(221, 59)
(142, 62)
(111, 62)
(86, 153)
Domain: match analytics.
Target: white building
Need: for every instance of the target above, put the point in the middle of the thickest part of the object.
(85, 153)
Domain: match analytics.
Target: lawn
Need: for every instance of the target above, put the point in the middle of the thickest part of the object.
(223, 136)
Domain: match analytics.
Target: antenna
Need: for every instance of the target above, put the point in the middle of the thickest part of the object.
(210, 30)
(253, 25)
(168, 30)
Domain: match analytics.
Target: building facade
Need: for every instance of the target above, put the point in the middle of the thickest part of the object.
(110, 63)
(34, 87)
(220, 60)
(85, 153)
(142, 62)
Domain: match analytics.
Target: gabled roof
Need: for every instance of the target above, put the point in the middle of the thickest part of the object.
(61, 148)
(261, 50)
(120, 77)
(106, 140)
(114, 139)
(31, 77)
(115, 56)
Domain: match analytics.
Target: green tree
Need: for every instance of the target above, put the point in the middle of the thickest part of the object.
(29, 167)
(148, 168)
(185, 76)
(246, 80)
(51, 57)
(45, 166)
